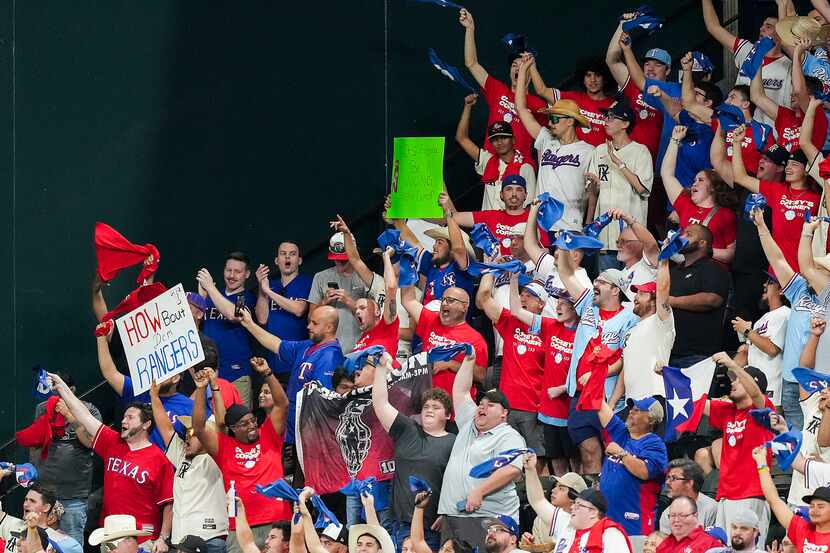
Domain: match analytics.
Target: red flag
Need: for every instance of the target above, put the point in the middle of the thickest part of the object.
(593, 393)
(40, 433)
(114, 253)
(691, 424)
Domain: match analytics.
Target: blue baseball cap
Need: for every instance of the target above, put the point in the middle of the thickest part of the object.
(505, 521)
(719, 534)
(649, 404)
(516, 180)
(658, 54)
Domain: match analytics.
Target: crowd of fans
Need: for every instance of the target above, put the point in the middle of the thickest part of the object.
(564, 353)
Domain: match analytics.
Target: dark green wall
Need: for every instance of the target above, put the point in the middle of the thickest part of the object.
(210, 126)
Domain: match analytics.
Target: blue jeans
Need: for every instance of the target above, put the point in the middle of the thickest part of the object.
(790, 406)
(607, 260)
(400, 531)
(354, 514)
(216, 545)
(73, 520)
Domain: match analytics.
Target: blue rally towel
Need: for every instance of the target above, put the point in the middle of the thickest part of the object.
(449, 71)
(324, 515)
(808, 217)
(25, 474)
(702, 63)
(477, 269)
(820, 69)
(550, 211)
(762, 417)
(355, 361)
(731, 117)
(441, 3)
(405, 254)
(569, 241)
(518, 44)
(279, 489)
(754, 201)
(643, 24)
(483, 239)
(675, 243)
(755, 59)
(356, 488)
(488, 467)
(416, 485)
(786, 447)
(599, 223)
(446, 353)
(42, 389)
(812, 381)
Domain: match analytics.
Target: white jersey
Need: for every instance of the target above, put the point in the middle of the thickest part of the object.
(809, 447)
(772, 325)
(547, 274)
(562, 171)
(775, 74)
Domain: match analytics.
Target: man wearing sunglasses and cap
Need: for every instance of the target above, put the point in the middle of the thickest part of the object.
(494, 166)
(563, 157)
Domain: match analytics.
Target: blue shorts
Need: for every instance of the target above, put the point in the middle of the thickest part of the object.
(582, 424)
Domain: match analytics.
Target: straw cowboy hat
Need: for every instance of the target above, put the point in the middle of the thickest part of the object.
(442, 232)
(377, 532)
(567, 108)
(790, 29)
(116, 526)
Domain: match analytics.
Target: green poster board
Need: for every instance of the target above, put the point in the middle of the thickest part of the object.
(417, 178)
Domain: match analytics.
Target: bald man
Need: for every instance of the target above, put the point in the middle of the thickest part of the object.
(447, 326)
(312, 359)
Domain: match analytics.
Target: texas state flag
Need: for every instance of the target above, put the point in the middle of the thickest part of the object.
(686, 394)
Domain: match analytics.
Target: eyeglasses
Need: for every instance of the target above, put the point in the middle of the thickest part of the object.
(110, 546)
(451, 300)
(676, 479)
(495, 528)
(245, 422)
(556, 118)
(584, 506)
(673, 516)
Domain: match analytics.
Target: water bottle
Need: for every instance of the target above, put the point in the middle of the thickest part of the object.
(232, 499)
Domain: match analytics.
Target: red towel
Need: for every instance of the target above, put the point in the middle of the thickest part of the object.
(824, 168)
(44, 429)
(136, 298)
(114, 253)
(593, 393)
(595, 536)
(491, 170)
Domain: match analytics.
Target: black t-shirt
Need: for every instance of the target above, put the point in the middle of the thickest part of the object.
(425, 456)
(749, 255)
(699, 333)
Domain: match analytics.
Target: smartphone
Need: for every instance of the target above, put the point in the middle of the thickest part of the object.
(333, 285)
(240, 305)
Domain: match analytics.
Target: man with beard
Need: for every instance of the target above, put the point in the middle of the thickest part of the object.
(175, 404)
(248, 455)
(650, 342)
(634, 465)
(138, 478)
(501, 535)
(699, 288)
(282, 303)
(482, 431)
(494, 166)
(220, 324)
(312, 359)
(339, 287)
(500, 97)
(500, 222)
(198, 491)
(743, 534)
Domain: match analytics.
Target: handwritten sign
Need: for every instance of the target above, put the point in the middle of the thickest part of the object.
(160, 339)
(417, 178)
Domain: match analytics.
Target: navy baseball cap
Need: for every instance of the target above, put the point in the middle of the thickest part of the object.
(514, 180)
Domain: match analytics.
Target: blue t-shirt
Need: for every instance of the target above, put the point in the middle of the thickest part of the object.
(308, 361)
(231, 338)
(634, 505)
(175, 405)
(614, 332)
(804, 305)
(672, 90)
(693, 154)
(283, 324)
(66, 544)
(439, 279)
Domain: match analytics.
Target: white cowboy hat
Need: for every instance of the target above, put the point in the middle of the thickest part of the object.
(442, 232)
(377, 532)
(116, 526)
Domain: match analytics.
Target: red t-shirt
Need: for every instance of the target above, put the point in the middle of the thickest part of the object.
(698, 541)
(724, 224)
(137, 482)
(594, 344)
(741, 434)
(247, 465)
(382, 334)
(500, 222)
(805, 537)
(788, 207)
(502, 103)
(590, 108)
(649, 119)
(522, 364)
(432, 333)
(788, 126)
(749, 149)
(559, 346)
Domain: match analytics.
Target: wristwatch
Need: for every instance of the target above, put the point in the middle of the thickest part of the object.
(747, 333)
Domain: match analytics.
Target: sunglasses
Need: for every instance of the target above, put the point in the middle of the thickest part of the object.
(556, 118)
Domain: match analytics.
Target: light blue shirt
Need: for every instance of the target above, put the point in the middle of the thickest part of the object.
(614, 332)
(804, 305)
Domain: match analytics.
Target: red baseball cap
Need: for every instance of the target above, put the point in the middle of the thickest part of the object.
(645, 287)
